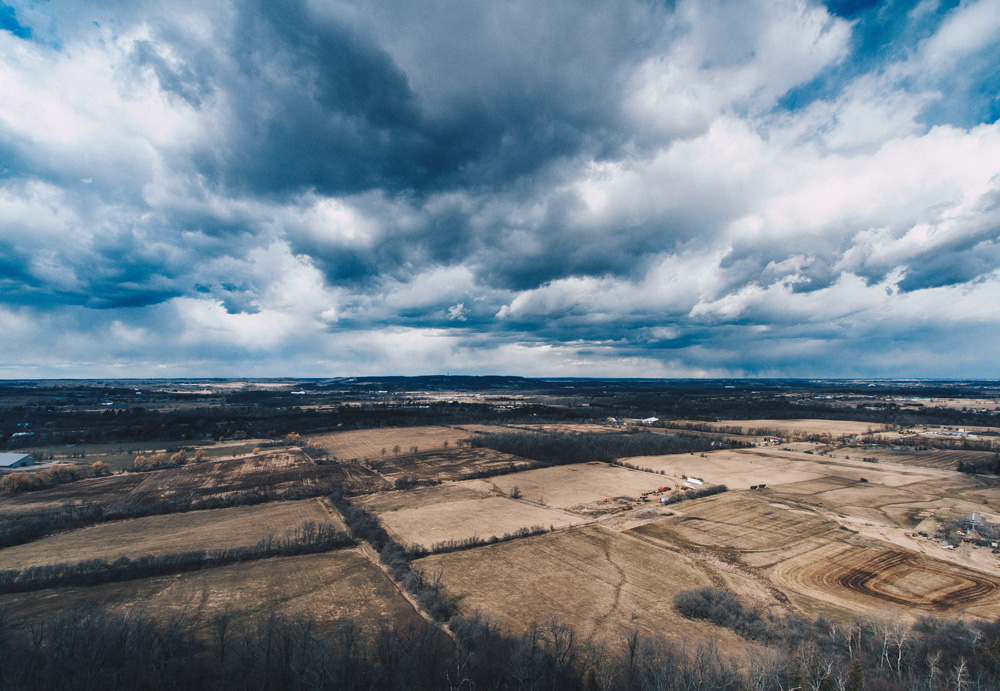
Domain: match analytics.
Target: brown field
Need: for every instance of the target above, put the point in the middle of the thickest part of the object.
(570, 428)
(460, 520)
(370, 443)
(274, 471)
(773, 466)
(385, 502)
(449, 464)
(326, 587)
(233, 527)
(578, 487)
(430, 515)
(599, 581)
(873, 577)
(834, 428)
(942, 459)
(104, 489)
(745, 522)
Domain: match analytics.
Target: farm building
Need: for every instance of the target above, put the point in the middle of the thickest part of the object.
(15, 460)
(976, 522)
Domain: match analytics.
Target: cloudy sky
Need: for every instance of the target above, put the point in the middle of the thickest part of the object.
(565, 188)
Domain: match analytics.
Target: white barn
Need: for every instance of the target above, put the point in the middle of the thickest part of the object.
(15, 460)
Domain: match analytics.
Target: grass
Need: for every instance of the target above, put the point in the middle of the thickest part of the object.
(207, 530)
(326, 587)
(601, 582)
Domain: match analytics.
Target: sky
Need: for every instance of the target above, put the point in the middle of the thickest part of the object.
(591, 188)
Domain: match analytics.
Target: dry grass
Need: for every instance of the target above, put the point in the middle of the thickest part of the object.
(599, 581)
(275, 471)
(234, 527)
(942, 459)
(325, 587)
(578, 487)
(370, 443)
(458, 511)
(460, 520)
(450, 464)
(833, 428)
(742, 468)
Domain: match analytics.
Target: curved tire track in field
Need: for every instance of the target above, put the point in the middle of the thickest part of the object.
(846, 573)
(599, 622)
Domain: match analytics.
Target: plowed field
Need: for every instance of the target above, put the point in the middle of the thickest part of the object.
(739, 521)
(872, 577)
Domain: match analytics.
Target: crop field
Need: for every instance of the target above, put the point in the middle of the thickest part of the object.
(599, 581)
(833, 428)
(233, 527)
(874, 577)
(742, 468)
(380, 443)
(450, 464)
(740, 521)
(872, 501)
(578, 487)
(325, 587)
(942, 459)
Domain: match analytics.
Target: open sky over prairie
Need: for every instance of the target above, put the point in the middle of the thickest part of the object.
(567, 187)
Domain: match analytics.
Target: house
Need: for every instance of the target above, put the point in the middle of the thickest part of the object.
(15, 460)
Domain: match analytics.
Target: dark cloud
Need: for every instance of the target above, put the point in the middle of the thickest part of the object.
(179, 80)
(454, 181)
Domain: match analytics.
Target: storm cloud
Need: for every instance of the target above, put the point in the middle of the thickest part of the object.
(632, 188)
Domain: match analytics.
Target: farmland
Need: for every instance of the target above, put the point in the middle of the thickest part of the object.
(451, 464)
(617, 582)
(839, 517)
(458, 512)
(242, 525)
(578, 488)
(323, 587)
(385, 443)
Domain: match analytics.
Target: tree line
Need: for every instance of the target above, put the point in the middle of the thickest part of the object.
(92, 650)
(367, 526)
(561, 448)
